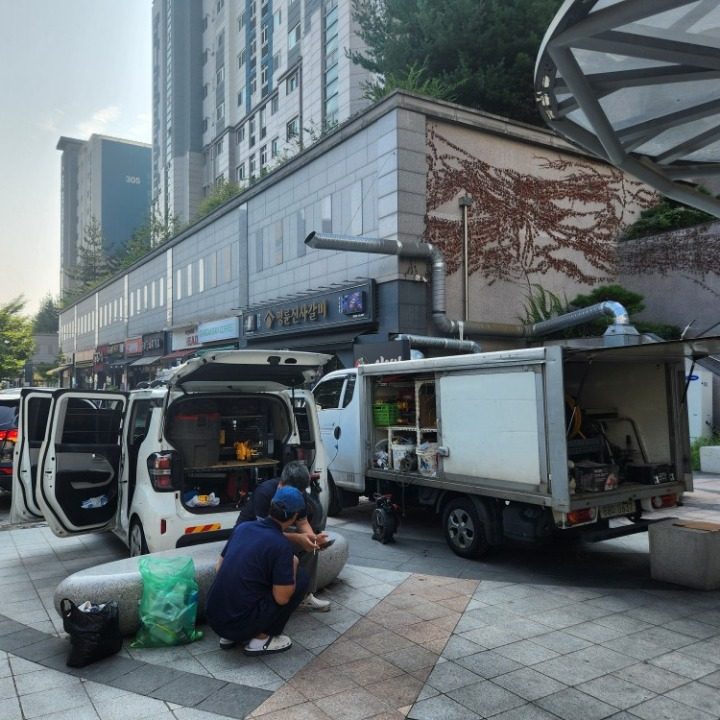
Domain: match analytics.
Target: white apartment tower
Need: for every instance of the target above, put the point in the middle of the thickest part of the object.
(239, 85)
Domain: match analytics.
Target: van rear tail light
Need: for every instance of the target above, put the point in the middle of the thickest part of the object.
(163, 526)
(160, 469)
(664, 501)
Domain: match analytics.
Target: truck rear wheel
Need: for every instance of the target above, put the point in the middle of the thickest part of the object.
(463, 529)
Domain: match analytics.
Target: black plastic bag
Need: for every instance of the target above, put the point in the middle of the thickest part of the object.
(94, 631)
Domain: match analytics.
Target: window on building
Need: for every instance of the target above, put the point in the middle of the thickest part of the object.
(220, 4)
(264, 76)
(240, 172)
(205, 23)
(226, 264)
(221, 40)
(277, 18)
(264, 35)
(274, 104)
(253, 166)
(264, 5)
(205, 57)
(211, 272)
(204, 125)
(275, 147)
(241, 97)
(205, 91)
(201, 275)
(152, 295)
(291, 83)
(221, 112)
(178, 285)
(293, 128)
(220, 75)
(242, 57)
(276, 61)
(240, 134)
(242, 19)
(252, 11)
(253, 85)
(326, 213)
(263, 156)
(261, 121)
(189, 273)
(294, 36)
(161, 292)
(251, 131)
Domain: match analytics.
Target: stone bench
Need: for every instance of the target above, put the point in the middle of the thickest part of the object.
(120, 580)
(686, 553)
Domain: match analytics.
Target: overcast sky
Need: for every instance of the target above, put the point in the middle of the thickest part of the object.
(67, 67)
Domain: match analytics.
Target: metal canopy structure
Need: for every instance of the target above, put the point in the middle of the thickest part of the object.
(637, 83)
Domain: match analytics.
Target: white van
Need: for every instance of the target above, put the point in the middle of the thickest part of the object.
(167, 467)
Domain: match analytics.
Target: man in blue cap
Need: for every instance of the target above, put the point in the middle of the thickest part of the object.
(258, 584)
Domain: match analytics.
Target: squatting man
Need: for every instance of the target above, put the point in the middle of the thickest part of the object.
(259, 582)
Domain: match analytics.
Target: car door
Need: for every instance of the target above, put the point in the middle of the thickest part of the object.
(80, 461)
(338, 413)
(34, 411)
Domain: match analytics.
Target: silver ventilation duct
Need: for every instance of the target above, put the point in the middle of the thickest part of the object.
(381, 246)
(428, 341)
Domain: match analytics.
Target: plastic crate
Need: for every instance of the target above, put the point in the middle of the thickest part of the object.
(385, 414)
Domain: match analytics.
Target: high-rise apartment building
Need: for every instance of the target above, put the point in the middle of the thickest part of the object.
(104, 180)
(240, 85)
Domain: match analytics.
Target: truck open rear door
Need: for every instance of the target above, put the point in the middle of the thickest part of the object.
(80, 461)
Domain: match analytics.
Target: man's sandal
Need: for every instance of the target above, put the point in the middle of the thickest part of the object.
(274, 644)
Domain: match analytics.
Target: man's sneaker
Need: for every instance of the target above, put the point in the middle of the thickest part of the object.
(226, 643)
(310, 602)
(274, 644)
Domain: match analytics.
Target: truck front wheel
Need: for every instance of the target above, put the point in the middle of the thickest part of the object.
(464, 531)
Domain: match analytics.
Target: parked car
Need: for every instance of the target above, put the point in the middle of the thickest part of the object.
(167, 467)
(9, 402)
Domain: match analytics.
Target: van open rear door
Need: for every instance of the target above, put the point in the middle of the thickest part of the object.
(80, 461)
(33, 416)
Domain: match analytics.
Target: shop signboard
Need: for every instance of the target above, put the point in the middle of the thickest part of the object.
(381, 352)
(133, 346)
(184, 339)
(218, 330)
(153, 344)
(349, 306)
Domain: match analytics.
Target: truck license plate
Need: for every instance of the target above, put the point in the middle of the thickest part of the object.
(626, 507)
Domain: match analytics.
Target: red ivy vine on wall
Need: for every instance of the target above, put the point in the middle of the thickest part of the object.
(522, 225)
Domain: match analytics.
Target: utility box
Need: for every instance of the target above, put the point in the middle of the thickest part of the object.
(686, 552)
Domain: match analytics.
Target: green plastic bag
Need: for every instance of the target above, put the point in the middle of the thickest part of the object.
(168, 606)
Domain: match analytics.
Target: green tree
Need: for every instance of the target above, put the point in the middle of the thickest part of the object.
(47, 317)
(666, 215)
(93, 265)
(221, 193)
(479, 53)
(16, 342)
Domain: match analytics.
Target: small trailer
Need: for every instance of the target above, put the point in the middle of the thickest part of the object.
(521, 444)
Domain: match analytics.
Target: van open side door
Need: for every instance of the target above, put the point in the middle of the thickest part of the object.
(80, 461)
(33, 417)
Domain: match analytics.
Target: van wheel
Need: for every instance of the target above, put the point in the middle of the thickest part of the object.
(138, 545)
(463, 529)
(335, 505)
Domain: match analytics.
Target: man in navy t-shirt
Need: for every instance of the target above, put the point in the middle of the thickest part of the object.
(258, 584)
(306, 535)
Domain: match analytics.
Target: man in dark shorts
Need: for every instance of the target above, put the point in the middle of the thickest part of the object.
(258, 584)
(303, 535)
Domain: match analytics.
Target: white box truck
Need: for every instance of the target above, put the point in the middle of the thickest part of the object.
(521, 443)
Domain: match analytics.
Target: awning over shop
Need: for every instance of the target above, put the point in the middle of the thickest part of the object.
(118, 363)
(144, 361)
(179, 354)
(58, 370)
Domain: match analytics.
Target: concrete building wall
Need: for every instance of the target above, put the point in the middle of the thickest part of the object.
(147, 297)
(112, 313)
